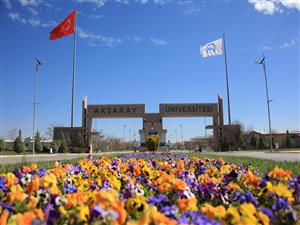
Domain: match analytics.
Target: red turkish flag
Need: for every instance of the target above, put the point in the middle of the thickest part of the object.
(65, 28)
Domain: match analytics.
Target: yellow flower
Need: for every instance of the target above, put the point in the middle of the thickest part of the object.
(84, 213)
(247, 209)
(263, 218)
(10, 180)
(283, 191)
(233, 215)
(136, 204)
(33, 166)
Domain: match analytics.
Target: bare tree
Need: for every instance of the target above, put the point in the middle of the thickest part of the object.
(13, 133)
(49, 131)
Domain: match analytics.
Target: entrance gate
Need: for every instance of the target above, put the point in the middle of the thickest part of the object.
(153, 121)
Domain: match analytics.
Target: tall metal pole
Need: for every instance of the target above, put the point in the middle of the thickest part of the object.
(34, 107)
(38, 63)
(205, 144)
(226, 69)
(263, 63)
(73, 78)
(181, 132)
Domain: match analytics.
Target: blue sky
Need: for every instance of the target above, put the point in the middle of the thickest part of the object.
(147, 52)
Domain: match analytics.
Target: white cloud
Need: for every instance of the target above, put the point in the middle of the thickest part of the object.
(98, 3)
(125, 2)
(191, 7)
(269, 7)
(266, 48)
(287, 44)
(291, 4)
(98, 39)
(34, 22)
(157, 41)
(7, 4)
(29, 2)
(264, 6)
(14, 16)
(33, 11)
(91, 16)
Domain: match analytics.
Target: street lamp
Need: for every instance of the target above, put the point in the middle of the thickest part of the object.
(263, 63)
(37, 64)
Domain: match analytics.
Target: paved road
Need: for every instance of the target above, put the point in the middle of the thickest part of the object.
(278, 156)
(14, 159)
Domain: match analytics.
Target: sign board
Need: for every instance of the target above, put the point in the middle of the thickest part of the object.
(188, 110)
(116, 111)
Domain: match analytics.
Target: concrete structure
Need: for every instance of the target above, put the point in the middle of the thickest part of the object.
(152, 122)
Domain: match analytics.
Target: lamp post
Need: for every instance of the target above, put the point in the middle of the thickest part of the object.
(37, 64)
(263, 63)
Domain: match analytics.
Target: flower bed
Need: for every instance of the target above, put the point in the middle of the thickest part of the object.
(148, 189)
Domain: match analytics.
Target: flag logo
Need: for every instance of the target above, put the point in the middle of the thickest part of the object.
(212, 48)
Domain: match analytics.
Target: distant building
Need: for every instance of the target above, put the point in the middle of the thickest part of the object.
(278, 137)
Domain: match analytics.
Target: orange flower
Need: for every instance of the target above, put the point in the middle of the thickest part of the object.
(187, 204)
(26, 169)
(75, 199)
(213, 212)
(4, 216)
(250, 179)
(154, 217)
(136, 171)
(34, 185)
(10, 180)
(179, 185)
(119, 208)
(16, 194)
(33, 166)
(280, 174)
(24, 219)
(164, 187)
(233, 186)
(39, 213)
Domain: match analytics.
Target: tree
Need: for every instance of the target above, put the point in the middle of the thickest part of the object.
(38, 142)
(19, 146)
(253, 141)
(2, 145)
(261, 142)
(225, 144)
(242, 143)
(287, 140)
(55, 145)
(80, 140)
(49, 131)
(13, 133)
(63, 146)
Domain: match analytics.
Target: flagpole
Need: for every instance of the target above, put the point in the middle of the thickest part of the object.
(226, 69)
(73, 78)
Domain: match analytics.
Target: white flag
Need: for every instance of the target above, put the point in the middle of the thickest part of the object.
(212, 48)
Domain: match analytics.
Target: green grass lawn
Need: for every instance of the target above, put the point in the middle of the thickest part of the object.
(261, 165)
